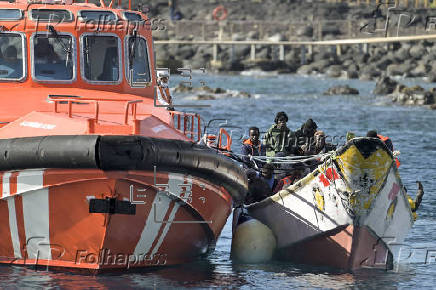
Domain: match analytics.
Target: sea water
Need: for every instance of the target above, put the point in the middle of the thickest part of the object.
(412, 130)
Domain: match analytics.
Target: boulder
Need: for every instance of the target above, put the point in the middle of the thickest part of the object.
(341, 90)
(385, 85)
(420, 70)
(334, 71)
(305, 69)
(433, 107)
(417, 51)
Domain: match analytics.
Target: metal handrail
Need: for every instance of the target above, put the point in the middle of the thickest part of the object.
(191, 133)
(96, 101)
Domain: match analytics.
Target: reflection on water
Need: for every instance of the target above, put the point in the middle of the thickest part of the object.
(411, 129)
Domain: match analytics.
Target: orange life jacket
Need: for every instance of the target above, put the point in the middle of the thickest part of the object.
(385, 139)
(258, 147)
(287, 181)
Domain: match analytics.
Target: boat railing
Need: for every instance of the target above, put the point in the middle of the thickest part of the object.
(187, 123)
(128, 104)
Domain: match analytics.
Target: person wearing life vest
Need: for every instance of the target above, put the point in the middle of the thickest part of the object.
(386, 140)
(252, 146)
(163, 91)
(279, 137)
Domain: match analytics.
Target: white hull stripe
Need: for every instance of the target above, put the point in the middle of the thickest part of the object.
(6, 192)
(155, 219)
(35, 213)
(14, 228)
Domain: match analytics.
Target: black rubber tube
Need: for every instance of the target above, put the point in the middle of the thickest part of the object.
(124, 153)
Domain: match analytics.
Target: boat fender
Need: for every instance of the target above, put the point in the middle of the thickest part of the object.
(253, 242)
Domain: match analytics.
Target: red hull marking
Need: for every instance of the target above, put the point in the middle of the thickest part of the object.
(394, 191)
(331, 174)
(13, 182)
(6, 248)
(20, 223)
(324, 180)
(1, 184)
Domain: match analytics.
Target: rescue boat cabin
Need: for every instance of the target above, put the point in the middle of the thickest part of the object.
(72, 49)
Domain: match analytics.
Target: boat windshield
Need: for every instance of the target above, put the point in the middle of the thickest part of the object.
(11, 56)
(138, 68)
(53, 59)
(101, 58)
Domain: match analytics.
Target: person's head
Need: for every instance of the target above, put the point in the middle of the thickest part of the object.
(254, 134)
(267, 170)
(372, 134)
(319, 138)
(281, 119)
(11, 54)
(163, 77)
(309, 128)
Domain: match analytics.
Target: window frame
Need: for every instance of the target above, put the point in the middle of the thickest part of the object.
(82, 59)
(13, 19)
(74, 57)
(24, 51)
(126, 61)
(30, 15)
(82, 19)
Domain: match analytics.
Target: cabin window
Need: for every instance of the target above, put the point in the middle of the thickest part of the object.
(53, 57)
(101, 58)
(10, 14)
(132, 17)
(97, 15)
(12, 56)
(138, 67)
(51, 15)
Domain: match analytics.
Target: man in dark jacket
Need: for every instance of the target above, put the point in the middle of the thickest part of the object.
(305, 136)
(278, 137)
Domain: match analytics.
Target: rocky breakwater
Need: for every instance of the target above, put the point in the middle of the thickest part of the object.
(207, 93)
(407, 96)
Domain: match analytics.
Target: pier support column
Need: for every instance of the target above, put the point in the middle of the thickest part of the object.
(303, 54)
(281, 52)
(215, 52)
(253, 52)
(338, 50)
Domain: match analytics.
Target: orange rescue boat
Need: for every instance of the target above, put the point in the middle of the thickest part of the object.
(94, 174)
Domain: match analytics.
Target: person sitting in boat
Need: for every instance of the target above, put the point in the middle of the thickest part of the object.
(252, 146)
(267, 174)
(318, 146)
(388, 143)
(258, 189)
(304, 136)
(278, 137)
(11, 67)
(163, 91)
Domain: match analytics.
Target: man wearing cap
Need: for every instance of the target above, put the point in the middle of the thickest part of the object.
(163, 91)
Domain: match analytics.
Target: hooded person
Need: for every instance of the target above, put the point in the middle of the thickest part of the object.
(278, 137)
(305, 136)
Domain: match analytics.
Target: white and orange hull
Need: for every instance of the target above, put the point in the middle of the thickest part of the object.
(47, 220)
(347, 214)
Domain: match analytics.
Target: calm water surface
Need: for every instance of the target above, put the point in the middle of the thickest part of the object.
(413, 131)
